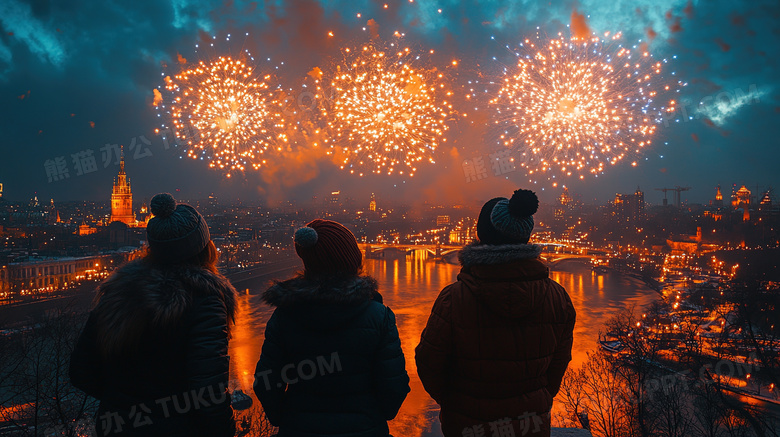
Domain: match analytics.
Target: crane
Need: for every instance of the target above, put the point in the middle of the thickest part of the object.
(677, 190)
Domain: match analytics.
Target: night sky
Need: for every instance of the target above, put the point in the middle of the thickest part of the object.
(76, 75)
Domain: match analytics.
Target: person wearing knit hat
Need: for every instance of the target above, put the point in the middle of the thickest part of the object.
(504, 313)
(158, 329)
(330, 311)
(176, 232)
(327, 247)
(508, 221)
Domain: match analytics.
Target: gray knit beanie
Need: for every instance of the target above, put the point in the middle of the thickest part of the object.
(508, 221)
(176, 232)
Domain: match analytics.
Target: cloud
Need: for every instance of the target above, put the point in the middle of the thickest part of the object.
(373, 27)
(579, 26)
(688, 10)
(6, 58)
(315, 73)
(651, 34)
(726, 104)
(186, 13)
(17, 19)
(674, 22)
(158, 98)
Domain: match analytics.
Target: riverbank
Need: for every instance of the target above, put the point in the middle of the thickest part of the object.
(17, 315)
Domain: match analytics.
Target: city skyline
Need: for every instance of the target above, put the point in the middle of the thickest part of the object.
(324, 196)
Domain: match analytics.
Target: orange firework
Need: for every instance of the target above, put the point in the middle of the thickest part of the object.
(382, 112)
(226, 114)
(571, 108)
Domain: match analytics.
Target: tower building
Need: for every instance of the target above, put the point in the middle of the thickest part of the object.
(372, 203)
(629, 208)
(743, 201)
(718, 201)
(122, 197)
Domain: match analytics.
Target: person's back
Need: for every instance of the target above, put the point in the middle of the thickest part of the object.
(499, 339)
(331, 363)
(154, 349)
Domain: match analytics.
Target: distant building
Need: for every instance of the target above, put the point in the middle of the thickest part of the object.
(718, 201)
(629, 208)
(685, 243)
(372, 203)
(85, 229)
(716, 206)
(122, 198)
(334, 197)
(465, 232)
(564, 202)
(742, 200)
(5, 284)
(143, 216)
(442, 220)
(564, 199)
(689, 244)
(1, 190)
(765, 204)
(46, 275)
(54, 214)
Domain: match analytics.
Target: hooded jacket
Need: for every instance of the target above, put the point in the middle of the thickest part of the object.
(331, 364)
(154, 352)
(497, 343)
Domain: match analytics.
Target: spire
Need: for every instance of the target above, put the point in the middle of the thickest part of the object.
(121, 159)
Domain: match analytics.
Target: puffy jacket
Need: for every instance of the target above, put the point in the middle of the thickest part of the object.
(497, 343)
(154, 352)
(331, 364)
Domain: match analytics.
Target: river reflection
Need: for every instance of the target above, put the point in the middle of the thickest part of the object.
(410, 286)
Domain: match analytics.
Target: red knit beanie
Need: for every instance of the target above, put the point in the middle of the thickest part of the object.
(328, 247)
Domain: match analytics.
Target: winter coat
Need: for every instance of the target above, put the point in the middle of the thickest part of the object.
(497, 343)
(332, 363)
(154, 352)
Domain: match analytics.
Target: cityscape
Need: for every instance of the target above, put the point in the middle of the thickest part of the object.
(556, 219)
(49, 248)
(696, 258)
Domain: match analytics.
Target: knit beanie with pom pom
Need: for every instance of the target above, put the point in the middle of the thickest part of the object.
(327, 247)
(176, 232)
(508, 221)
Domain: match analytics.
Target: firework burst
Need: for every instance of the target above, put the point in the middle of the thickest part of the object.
(573, 108)
(226, 114)
(382, 112)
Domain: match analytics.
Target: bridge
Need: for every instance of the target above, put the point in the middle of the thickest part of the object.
(552, 253)
(383, 251)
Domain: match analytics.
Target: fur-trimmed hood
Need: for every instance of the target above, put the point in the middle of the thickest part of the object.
(325, 302)
(139, 297)
(301, 290)
(487, 254)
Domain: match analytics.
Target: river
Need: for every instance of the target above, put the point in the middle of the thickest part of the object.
(410, 286)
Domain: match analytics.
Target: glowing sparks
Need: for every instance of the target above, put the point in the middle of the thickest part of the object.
(383, 114)
(572, 108)
(225, 114)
